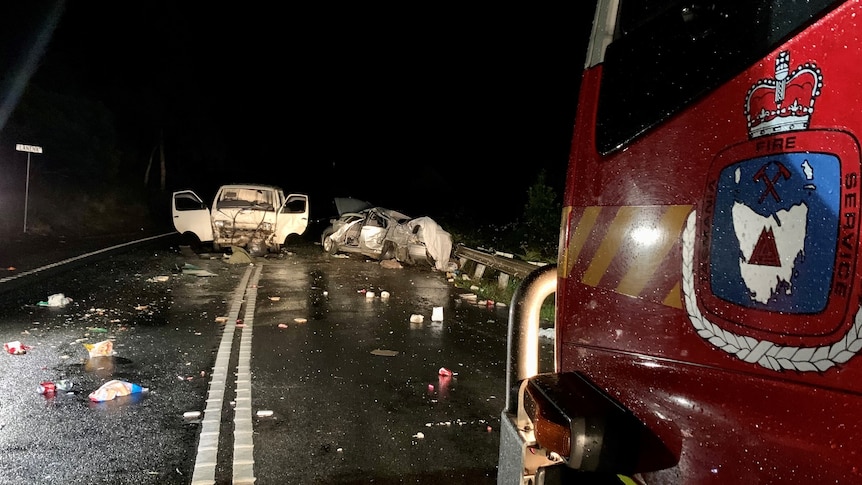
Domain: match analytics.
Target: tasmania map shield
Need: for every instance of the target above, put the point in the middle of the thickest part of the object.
(764, 253)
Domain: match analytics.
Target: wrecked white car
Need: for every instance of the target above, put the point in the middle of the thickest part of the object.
(258, 218)
(383, 234)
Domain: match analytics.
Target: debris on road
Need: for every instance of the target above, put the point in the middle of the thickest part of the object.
(191, 269)
(115, 388)
(437, 314)
(56, 300)
(191, 415)
(47, 388)
(239, 255)
(385, 353)
(64, 385)
(390, 264)
(416, 318)
(16, 347)
(158, 279)
(105, 348)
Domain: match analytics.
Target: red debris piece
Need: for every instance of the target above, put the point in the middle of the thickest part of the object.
(16, 348)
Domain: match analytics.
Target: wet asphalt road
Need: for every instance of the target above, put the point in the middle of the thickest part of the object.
(297, 374)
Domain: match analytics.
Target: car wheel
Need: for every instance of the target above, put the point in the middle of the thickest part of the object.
(216, 246)
(388, 251)
(403, 256)
(328, 244)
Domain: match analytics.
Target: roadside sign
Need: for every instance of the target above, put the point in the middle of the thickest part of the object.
(28, 148)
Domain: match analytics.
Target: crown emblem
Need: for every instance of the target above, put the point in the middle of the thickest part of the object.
(784, 103)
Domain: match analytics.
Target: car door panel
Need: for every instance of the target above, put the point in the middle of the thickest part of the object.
(191, 215)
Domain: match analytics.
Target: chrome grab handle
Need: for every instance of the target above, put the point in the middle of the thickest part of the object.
(522, 360)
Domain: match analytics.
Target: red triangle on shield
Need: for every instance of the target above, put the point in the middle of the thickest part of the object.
(765, 251)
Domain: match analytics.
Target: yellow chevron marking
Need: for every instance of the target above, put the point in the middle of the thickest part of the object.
(673, 298)
(610, 245)
(563, 256)
(645, 264)
(579, 237)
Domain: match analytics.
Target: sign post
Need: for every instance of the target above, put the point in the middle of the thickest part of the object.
(29, 149)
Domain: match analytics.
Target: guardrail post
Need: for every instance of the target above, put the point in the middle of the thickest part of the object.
(479, 271)
(502, 280)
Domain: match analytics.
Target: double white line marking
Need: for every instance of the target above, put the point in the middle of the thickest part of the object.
(243, 448)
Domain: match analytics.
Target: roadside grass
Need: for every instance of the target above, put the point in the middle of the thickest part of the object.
(486, 289)
(531, 235)
(489, 289)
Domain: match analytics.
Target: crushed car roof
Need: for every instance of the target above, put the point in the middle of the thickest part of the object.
(347, 205)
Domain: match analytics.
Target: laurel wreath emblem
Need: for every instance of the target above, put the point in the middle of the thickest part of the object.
(763, 352)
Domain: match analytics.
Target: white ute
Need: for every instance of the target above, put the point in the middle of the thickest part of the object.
(255, 217)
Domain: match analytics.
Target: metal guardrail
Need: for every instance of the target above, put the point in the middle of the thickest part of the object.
(506, 267)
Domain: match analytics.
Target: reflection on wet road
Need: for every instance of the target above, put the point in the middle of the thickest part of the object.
(304, 368)
(355, 388)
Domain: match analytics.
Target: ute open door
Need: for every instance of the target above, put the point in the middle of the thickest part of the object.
(191, 215)
(293, 216)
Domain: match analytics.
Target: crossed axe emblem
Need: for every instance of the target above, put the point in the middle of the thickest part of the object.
(761, 174)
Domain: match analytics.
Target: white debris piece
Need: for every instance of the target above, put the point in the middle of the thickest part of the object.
(437, 314)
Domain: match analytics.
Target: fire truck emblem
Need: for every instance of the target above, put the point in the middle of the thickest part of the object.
(767, 212)
(769, 263)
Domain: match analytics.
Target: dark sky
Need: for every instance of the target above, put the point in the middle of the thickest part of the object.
(413, 107)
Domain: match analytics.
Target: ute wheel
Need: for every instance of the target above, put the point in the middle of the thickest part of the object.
(328, 244)
(191, 240)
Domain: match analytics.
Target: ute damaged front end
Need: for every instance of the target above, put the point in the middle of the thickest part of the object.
(252, 229)
(258, 218)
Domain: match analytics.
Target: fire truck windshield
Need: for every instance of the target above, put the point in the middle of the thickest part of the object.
(666, 54)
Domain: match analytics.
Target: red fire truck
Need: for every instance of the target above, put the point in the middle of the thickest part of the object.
(707, 290)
